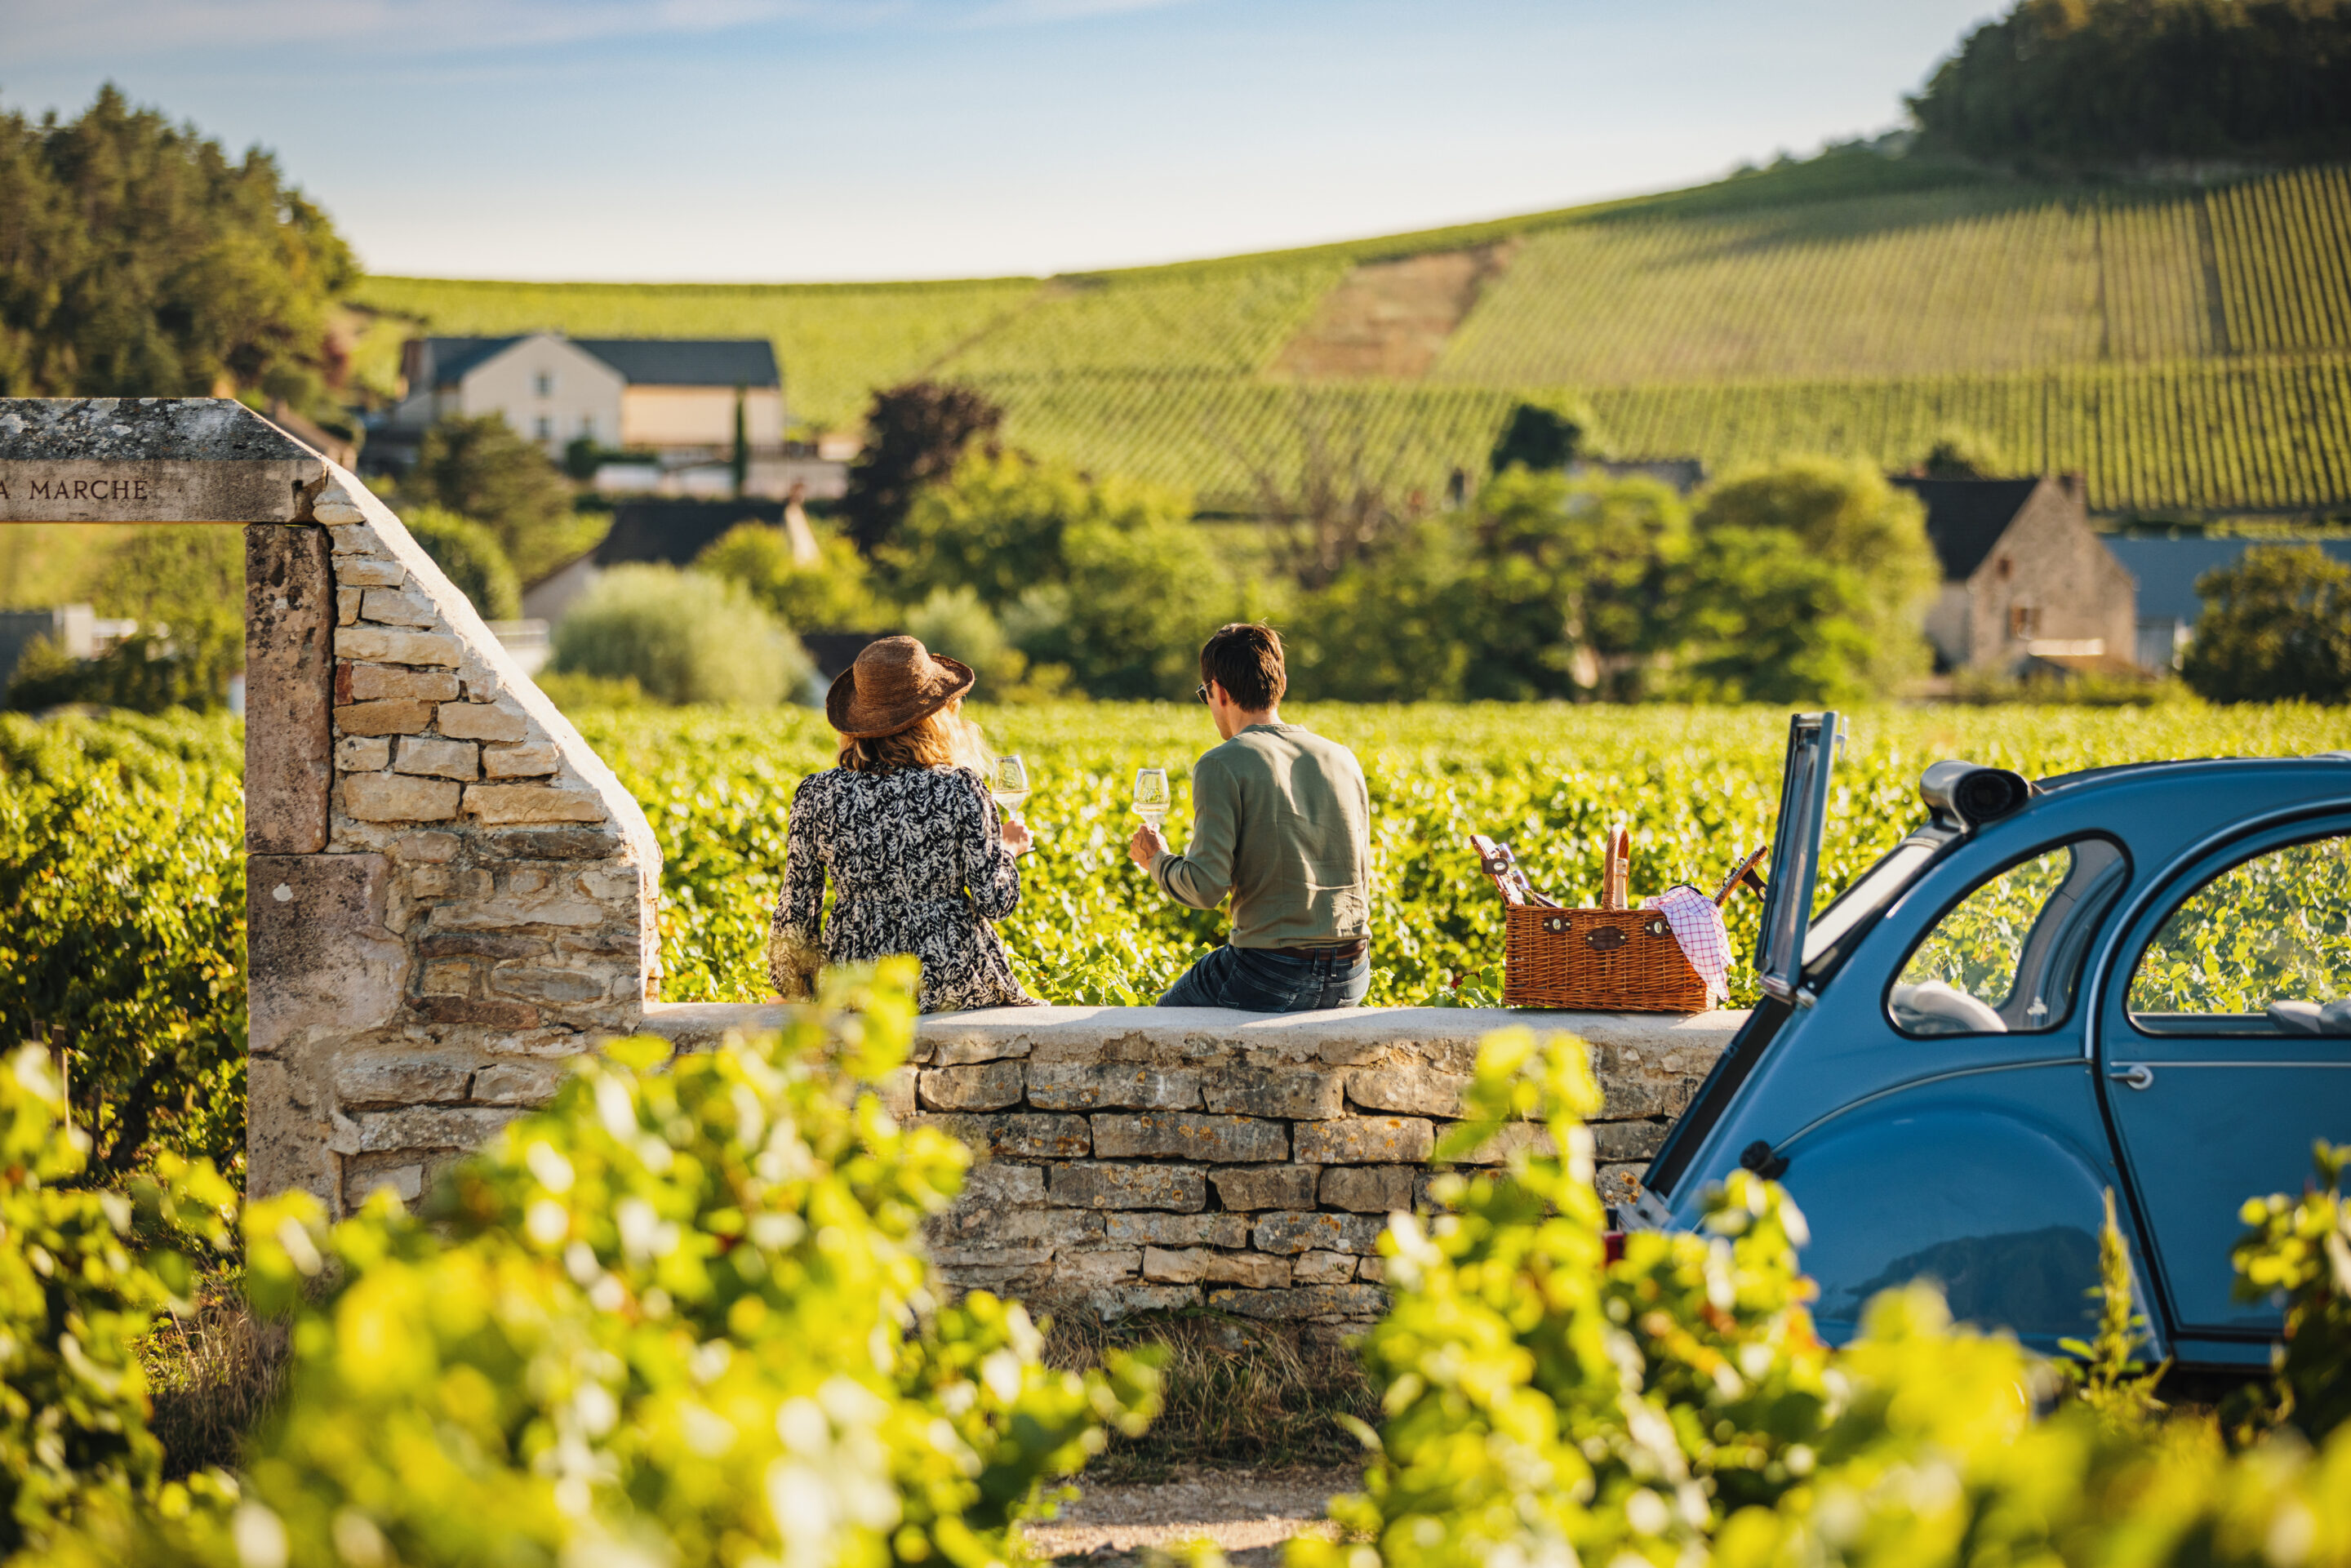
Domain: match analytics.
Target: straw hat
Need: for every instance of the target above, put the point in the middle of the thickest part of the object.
(895, 683)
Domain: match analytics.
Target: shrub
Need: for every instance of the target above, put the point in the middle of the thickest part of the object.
(914, 434)
(122, 933)
(480, 468)
(471, 558)
(77, 1294)
(2301, 1248)
(2276, 625)
(684, 637)
(834, 593)
(681, 1315)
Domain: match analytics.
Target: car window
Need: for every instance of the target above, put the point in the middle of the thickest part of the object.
(2006, 958)
(2270, 934)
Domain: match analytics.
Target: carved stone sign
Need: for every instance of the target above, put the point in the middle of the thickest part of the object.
(149, 460)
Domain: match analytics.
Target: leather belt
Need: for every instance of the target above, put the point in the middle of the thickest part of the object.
(1354, 949)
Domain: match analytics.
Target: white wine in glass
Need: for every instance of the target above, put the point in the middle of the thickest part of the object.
(1010, 785)
(1150, 794)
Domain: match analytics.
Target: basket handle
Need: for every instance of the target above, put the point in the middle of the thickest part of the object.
(1617, 874)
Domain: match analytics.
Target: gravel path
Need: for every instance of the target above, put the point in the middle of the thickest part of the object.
(1250, 1513)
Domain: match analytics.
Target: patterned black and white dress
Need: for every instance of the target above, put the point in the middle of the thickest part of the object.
(918, 865)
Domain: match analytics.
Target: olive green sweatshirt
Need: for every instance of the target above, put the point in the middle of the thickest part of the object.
(1281, 820)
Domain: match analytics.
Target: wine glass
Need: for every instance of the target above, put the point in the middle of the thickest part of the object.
(1010, 785)
(1150, 794)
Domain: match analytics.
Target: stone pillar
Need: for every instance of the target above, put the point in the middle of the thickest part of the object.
(448, 892)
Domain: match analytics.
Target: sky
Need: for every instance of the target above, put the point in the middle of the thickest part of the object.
(809, 141)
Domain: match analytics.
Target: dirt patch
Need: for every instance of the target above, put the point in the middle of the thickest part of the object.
(1391, 318)
(1248, 1512)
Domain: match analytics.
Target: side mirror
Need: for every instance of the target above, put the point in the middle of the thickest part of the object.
(1965, 795)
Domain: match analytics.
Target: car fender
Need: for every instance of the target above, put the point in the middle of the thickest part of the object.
(1959, 1181)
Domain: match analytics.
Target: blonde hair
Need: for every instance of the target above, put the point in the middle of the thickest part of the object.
(941, 740)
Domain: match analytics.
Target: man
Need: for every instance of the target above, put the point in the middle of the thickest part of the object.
(1281, 820)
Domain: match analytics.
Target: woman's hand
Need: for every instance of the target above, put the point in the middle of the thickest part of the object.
(1017, 837)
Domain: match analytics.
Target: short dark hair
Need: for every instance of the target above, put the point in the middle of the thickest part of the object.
(1244, 659)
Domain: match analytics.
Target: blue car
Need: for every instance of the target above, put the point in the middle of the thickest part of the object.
(2133, 979)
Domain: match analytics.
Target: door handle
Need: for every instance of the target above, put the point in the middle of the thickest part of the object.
(2138, 1074)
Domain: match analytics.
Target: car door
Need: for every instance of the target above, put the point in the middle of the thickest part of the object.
(2213, 1097)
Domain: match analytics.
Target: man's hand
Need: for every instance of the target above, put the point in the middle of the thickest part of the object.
(1017, 837)
(1145, 846)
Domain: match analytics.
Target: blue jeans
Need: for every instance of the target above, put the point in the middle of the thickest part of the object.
(1272, 980)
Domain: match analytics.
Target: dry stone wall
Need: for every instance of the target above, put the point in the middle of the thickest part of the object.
(1134, 1159)
(449, 894)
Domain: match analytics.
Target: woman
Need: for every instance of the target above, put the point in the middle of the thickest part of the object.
(905, 827)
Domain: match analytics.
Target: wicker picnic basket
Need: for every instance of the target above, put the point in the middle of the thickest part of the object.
(1614, 959)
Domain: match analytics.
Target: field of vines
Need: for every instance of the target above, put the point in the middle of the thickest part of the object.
(1697, 787)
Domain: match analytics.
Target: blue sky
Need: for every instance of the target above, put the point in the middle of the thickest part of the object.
(815, 139)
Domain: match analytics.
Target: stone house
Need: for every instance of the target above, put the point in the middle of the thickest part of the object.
(2168, 570)
(2024, 577)
(676, 397)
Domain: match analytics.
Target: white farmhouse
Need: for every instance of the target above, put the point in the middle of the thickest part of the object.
(677, 397)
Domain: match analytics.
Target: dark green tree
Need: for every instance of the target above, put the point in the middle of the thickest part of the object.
(471, 557)
(2276, 625)
(2116, 82)
(1539, 438)
(138, 259)
(913, 437)
(479, 469)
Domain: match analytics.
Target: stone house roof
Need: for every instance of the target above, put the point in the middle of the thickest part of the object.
(641, 361)
(1966, 518)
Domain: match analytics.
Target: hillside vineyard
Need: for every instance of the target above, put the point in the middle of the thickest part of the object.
(2183, 349)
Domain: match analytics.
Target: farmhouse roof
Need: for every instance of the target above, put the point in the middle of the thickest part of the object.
(1965, 517)
(674, 532)
(641, 361)
(2168, 569)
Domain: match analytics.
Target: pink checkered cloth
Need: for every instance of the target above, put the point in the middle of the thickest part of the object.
(1698, 926)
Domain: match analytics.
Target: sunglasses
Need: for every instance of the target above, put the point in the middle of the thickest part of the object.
(1201, 691)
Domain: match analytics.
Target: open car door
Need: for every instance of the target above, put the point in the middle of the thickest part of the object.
(1812, 740)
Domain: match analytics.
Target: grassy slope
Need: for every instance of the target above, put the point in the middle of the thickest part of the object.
(2184, 349)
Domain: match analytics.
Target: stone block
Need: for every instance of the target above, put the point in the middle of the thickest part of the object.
(479, 945)
(1144, 1229)
(1293, 1232)
(481, 1010)
(497, 803)
(419, 1127)
(398, 607)
(347, 606)
(1003, 1185)
(1506, 1141)
(530, 1082)
(1017, 1136)
(1368, 1189)
(1111, 1086)
(1181, 1189)
(318, 950)
(403, 1181)
(394, 797)
(1619, 1185)
(379, 683)
(506, 913)
(1105, 1266)
(284, 1136)
(377, 644)
(958, 1261)
(364, 573)
(426, 849)
(1266, 1187)
(289, 685)
(1025, 1281)
(1415, 1091)
(1290, 1094)
(363, 754)
(1365, 1141)
(896, 1088)
(1374, 1270)
(552, 987)
(393, 716)
(991, 1086)
(1182, 1266)
(1305, 1302)
(1222, 1140)
(973, 1223)
(1627, 1140)
(533, 761)
(1253, 1270)
(963, 1053)
(402, 1076)
(550, 844)
(442, 758)
(1323, 1267)
(483, 721)
(446, 977)
(1124, 1300)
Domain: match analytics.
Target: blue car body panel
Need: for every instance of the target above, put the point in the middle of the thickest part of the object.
(1980, 1159)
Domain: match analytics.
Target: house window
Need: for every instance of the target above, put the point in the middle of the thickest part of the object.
(545, 428)
(2024, 622)
(587, 427)
(543, 384)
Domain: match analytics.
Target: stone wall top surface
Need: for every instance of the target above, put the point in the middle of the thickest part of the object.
(149, 460)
